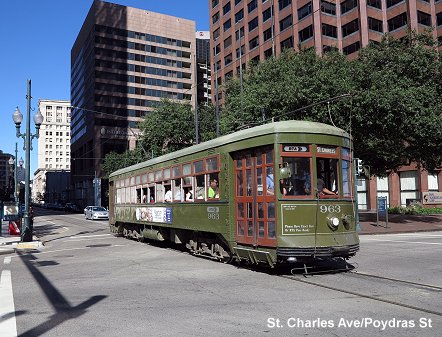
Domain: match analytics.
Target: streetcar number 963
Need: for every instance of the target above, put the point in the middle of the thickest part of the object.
(330, 208)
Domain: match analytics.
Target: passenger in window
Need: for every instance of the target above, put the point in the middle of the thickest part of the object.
(322, 190)
(178, 195)
(168, 195)
(303, 179)
(213, 191)
(144, 199)
(189, 194)
(284, 185)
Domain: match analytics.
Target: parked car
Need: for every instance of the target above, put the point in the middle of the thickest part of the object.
(96, 213)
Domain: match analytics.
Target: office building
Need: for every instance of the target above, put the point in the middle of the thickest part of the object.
(123, 62)
(6, 177)
(253, 30)
(54, 148)
(203, 68)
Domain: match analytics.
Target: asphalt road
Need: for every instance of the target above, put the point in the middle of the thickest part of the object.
(87, 282)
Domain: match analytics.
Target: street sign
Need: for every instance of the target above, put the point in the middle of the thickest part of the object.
(382, 204)
(382, 209)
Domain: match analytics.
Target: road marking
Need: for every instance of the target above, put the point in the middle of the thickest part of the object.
(7, 260)
(8, 324)
(401, 241)
(88, 236)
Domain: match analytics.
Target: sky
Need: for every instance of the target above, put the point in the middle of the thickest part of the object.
(36, 37)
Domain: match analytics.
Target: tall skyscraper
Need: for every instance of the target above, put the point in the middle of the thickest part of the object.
(123, 62)
(252, 30)
(203, 67)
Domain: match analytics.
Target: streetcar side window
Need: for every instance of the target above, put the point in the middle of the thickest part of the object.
(152, 194)
(144, 196)
(213, 189)
(200, 187)
(138, 195)
(177, 190)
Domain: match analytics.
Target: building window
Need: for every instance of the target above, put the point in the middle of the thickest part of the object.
(397, 22)
(215, 17)
(304, 11)
(284, 3)
(268, 53)
(439, 19)
(217, 49)
(375, 3)
(348, 5)
(226, 8)
(285, 23)
(237, 2)
(433, 184)
(267, 14)
(350, 28)
(424, 18)
(328, 8)
(382, 188)
(228, 42)
(409, 184)
(239, 52)
(216, 34)
(252, 5)
(267, 34)
(330, 31)
(215, 3)
(287, 43)
(253, 24)
(239, 16)
(391, 3)
(254, 43)
(306, 33)
(227, 25)
(239, 33)
(375, 25)
(352, 48)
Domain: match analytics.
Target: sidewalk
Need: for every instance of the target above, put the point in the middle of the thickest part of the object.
(399, 223)
(9, 244)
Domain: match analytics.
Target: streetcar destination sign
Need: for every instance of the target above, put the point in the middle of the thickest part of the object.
(295, 148)
(329, 150)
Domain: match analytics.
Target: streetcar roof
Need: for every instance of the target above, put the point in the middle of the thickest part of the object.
(292, 126)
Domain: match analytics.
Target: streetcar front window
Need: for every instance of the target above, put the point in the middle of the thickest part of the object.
(327, 176)
(300, 182)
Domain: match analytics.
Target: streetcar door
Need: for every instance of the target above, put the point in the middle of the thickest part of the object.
(255, 197)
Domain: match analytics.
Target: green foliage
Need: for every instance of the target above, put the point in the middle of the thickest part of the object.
(170, 127)
(394, 113)
(414, 210)
(114, 161)
(206, 122)
(397, 109)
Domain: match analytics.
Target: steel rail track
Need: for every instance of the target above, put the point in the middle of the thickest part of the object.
(358, 294)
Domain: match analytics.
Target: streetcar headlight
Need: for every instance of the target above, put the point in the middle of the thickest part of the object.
(333, 223)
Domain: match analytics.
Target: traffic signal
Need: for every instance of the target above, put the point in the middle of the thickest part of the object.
(359, 167)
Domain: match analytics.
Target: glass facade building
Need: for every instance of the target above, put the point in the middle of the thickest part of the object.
(123, 62)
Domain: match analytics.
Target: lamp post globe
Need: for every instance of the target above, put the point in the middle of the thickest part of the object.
(17, 117)
(38, 118)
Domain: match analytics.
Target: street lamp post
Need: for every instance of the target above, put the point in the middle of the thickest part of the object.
(27, 228)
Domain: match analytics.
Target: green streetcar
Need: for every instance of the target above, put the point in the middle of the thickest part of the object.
(272, 194)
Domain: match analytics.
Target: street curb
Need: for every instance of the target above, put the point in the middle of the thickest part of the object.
(20, 246)
(4, 251)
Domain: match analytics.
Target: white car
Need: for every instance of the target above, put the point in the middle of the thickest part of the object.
(96, 213)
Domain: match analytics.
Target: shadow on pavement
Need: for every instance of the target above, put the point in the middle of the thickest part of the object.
(63, 309)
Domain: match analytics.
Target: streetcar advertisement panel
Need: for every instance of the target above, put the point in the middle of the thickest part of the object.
(154, 214)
